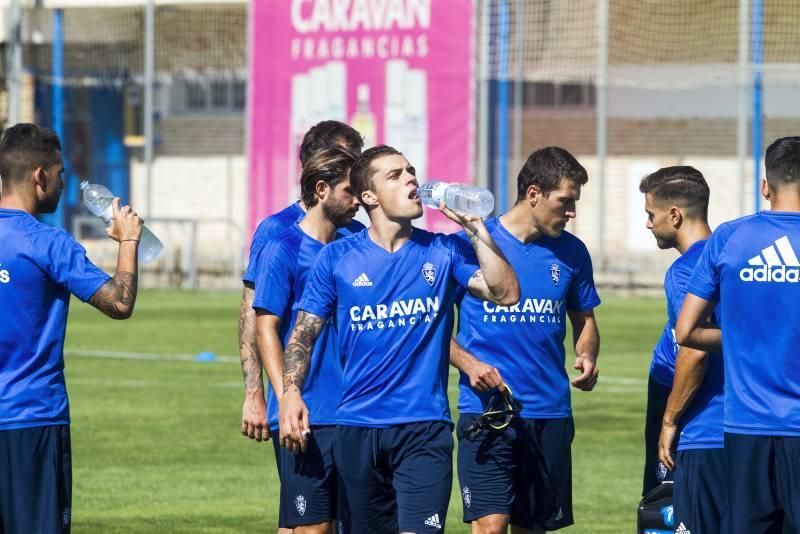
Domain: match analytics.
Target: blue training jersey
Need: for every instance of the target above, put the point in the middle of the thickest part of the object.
(39, 267)
(676, 280)
(750, 266)
(274, 225)
(394, 316)
(282, 272)
(701, 424)
(525, 342)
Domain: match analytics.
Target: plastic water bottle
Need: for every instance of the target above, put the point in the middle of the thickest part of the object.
(467, 199)
(97, 199)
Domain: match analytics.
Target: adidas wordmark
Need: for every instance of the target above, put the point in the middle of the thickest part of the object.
(362, 281)
(770, 266)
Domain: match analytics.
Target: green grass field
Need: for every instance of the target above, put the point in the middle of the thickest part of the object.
(157, 446)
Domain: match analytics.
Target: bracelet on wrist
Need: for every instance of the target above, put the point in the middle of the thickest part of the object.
(124, 240)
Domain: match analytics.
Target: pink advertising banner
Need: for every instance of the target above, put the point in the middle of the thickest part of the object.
(399, 71)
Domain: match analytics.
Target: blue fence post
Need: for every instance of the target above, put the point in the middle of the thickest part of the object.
(758, 104)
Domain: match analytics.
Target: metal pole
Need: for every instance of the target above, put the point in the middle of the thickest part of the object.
(503, 38)
(602, 124)
(483, 104)
(518, 83)
(744, 97)
(14, 61)
(58, 100)
(149, 74)
(758, 115)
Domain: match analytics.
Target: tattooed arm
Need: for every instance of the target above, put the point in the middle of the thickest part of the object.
(254, 409)
(297, 355)
(294, 421)
(117, 297)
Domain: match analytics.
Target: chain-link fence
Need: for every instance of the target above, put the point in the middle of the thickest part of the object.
(626, 85)
(83, 72)
(630, 86)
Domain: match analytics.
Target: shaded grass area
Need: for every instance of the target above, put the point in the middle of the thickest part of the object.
(157, 448)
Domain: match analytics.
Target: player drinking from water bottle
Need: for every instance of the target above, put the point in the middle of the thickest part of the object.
(391, 290)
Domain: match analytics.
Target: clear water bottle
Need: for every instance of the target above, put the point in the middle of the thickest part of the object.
(97, 199)
(467, 199)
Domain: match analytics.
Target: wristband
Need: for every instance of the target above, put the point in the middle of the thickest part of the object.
(123, 240)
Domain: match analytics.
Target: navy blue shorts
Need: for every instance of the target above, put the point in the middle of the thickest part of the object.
(394, 479)
(654, 471)
(699, 493)
(524, 471)
(764, 493)
(308, 480)
(35, 480)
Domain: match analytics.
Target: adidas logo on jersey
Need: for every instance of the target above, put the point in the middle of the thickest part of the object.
(362, 281)
(682, 529)
(776, 263)
(433, 521)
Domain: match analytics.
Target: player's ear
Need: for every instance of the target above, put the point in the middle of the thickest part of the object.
(533, 195)
(39, 178)
(675, 216)
(322, 189)
(766, 192)
(368, 199)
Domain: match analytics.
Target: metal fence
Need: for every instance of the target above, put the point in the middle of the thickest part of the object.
(630, 86)
(151, 100)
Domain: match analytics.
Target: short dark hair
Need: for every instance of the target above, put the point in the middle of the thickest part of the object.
(682, 185)
(23, 148)
(330, 165)
(362, 172)
(326, 134)
(546, 167)
(782, 161)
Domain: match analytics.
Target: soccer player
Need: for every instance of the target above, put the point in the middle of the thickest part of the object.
(391, 291)
(522, 475)
(40, 266)
(308, 480)
(676, 202)
(323, 135)
(750, 267)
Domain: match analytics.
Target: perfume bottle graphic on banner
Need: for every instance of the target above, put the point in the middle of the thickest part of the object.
(363, 120)
(317, 95)
(406, 113)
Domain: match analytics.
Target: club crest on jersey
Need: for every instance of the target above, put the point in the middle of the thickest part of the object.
(429, 273)
(300, 504)
(555, 273)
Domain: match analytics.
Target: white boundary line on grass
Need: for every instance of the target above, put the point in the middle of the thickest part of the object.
(159, 356)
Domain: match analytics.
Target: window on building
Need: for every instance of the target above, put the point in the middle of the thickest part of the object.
(220, 94)
(212, 95)
(558, 96)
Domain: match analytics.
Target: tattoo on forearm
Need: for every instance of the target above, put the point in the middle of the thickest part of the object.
(248, 350)
(297, 355)
(116, 297)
